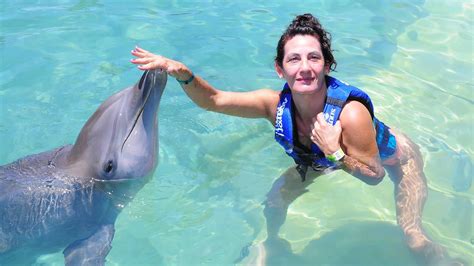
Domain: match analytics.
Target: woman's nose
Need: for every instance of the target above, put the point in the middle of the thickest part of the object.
(304, 65)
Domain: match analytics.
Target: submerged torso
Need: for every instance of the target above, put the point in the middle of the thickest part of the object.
(288, 134)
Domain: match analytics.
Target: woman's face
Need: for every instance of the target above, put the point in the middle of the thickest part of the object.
(303, 65)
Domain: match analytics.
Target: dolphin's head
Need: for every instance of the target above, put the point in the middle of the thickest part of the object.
(120, 140)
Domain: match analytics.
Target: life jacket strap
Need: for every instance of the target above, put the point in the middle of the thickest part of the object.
(335, 101)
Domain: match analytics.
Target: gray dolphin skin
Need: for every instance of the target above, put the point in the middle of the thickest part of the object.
(69, 197)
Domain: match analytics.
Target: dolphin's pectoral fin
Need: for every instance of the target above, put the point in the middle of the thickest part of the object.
(91, 250)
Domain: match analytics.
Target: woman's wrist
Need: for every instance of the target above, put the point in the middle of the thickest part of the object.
(183, 75)
(336, 156)
(330, 149)
(186, 81)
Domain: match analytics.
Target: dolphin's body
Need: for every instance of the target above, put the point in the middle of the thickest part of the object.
(70, 197)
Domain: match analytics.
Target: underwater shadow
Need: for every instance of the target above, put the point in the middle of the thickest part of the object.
(358, 243)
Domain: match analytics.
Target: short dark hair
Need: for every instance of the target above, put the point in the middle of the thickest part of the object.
(307, 24)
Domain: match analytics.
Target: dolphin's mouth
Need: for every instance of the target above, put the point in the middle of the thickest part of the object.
(142, 107)
(121, 180)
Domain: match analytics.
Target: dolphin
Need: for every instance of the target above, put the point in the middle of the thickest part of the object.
(69, 197)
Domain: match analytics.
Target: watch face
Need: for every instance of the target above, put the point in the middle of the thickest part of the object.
(331, 158)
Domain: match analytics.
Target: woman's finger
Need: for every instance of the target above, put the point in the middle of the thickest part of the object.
(141, 61)
(316, 126)
(141, 50)
(320, 118)
(152, 65)
(140, 54)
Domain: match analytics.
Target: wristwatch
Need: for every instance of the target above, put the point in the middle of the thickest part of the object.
(336, 156)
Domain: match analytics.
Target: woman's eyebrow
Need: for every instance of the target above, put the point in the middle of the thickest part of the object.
(292, 54)
(315, 52)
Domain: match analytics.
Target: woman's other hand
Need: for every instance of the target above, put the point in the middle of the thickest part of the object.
(325, 135)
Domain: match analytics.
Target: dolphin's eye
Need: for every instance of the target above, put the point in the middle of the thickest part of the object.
(109, 166)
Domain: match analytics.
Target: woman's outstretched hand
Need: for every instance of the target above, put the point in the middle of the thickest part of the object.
(148, 61)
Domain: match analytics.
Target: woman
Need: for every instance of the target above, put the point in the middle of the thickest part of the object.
(321, 122)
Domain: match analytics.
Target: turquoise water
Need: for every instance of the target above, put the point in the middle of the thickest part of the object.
(60, 60)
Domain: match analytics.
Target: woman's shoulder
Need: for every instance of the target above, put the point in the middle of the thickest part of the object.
(355, 114)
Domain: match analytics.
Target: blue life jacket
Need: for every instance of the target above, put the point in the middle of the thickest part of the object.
(338, 94)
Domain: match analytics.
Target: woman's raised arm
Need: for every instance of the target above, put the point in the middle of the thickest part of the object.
(253, 104)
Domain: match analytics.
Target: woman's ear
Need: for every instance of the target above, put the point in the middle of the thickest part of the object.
(326, 69)
(279, 70)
